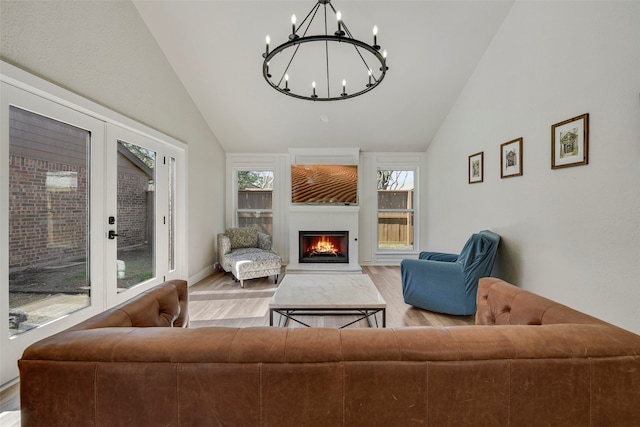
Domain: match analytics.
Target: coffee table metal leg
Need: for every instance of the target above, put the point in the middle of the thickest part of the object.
(365, 314)
(284, 319)
(368, 317)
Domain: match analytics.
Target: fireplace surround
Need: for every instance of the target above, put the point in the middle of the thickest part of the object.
(323, 247)
(328, 219)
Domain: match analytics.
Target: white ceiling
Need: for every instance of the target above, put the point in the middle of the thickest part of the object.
(215, 48)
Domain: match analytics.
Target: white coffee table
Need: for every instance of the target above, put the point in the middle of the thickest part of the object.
(327, 294)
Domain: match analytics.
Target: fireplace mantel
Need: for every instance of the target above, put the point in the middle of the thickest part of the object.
(326, 218)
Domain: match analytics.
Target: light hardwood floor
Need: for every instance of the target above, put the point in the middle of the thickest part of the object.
(10, 406)
(219, 301)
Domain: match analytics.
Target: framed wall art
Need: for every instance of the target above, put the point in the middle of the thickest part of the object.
(570, 142)
(511, 158)
(476, 168)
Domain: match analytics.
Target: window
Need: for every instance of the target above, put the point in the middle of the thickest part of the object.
(396, 190)
(255, 200)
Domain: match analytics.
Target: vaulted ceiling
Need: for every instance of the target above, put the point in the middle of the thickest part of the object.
(215, 48)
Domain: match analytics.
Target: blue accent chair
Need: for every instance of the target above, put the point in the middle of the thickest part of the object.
(448, 283)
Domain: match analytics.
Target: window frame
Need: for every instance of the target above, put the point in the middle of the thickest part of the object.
(236, 185)
(413, 211)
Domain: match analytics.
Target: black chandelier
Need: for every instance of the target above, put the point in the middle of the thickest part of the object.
(317, 61)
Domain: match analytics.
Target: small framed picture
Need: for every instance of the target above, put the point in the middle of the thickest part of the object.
(511, 158)
(570, 142)
(476, 168)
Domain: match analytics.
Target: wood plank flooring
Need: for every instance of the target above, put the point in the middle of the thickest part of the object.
(10, 406)
(219, 301)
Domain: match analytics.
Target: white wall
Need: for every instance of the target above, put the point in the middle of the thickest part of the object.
(572, 234)
(104, 52)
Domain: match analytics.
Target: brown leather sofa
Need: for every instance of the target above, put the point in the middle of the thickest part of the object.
(528, 362)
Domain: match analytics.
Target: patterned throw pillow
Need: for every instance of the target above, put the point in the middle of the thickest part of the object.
(243, 237)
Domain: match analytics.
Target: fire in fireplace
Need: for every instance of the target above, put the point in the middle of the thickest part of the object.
(323, 247)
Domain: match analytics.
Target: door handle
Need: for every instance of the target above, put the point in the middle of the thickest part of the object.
(112, 234)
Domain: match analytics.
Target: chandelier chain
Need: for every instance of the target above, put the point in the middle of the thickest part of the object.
(326, 49)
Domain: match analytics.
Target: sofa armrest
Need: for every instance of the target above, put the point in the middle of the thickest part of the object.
(438, 256)
(436, 286)
(164, 305)
(501, 303)
(264, 241)
(440, 277)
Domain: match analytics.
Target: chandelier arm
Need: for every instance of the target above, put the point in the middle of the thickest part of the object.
(313, 10)
(332, 8)
(348, 33)
(346, 30)
(364, 61)
(284, 73)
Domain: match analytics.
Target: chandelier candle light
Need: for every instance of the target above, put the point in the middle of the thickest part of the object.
(336, 57)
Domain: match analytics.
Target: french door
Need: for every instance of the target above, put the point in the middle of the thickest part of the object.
(142, 211)
(92, 213)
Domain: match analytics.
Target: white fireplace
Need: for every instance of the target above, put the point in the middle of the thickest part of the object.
(327, 218)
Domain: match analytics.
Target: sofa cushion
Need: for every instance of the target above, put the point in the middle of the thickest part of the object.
(245, 237)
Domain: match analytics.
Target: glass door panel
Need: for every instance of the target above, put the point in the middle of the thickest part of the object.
(136, 229)
(48, 220)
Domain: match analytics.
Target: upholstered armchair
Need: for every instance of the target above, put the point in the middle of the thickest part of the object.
(246, 253)
(448, 283)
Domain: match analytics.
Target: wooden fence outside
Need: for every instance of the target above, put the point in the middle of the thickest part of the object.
(395, 229)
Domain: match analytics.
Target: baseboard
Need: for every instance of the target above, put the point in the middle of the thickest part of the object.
(9, 384)
(193, 279)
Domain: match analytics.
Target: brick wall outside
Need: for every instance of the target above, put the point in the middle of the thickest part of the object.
(132, 210)
(47, 227)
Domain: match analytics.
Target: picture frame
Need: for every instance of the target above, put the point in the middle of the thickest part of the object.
(476, 168)
(570, 142)
(511, 158)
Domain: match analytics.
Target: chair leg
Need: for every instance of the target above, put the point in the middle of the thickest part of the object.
(242, 283)
(276, 279)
